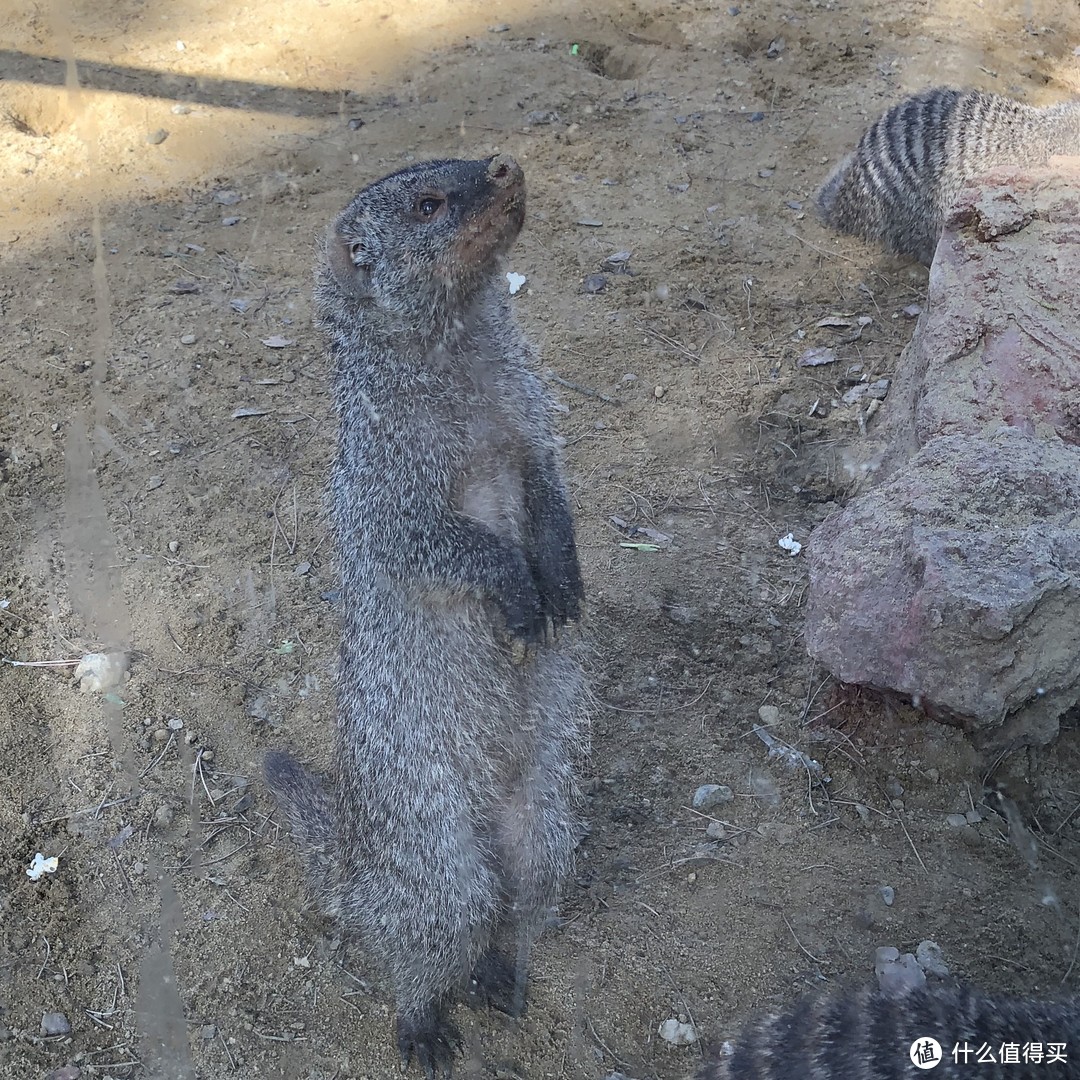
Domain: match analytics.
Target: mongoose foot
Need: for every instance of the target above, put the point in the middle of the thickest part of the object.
(429, 1038)
(494, 983)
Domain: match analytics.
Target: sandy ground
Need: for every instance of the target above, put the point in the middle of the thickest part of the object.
(162, 465)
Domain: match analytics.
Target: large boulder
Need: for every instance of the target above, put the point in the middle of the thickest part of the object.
(956, 578)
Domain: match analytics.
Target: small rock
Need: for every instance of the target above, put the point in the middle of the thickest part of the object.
(973, 817)
(209, 1031)
(160, 735)
(912, 311)
(226, 198)
(756, 117)
(174, 546)
(355, 123)
(956, 821)
(716, 830)
(931, 960)
(180, 109)
(65, 1072)
(303, 568)
(764, 174)
(888, 895)
(711, 795)
(539, 117)
(55, 1023)
(208, 756)
(594, 283)
(156, 138)
(769, 715)
(659, 392)
(227, 221)
(174, 723)
(862, 811)
(101, 672)
(897, 974)
(893, 788)
(163, 816)
(154, 483)
(188, 339)
(677, 1033)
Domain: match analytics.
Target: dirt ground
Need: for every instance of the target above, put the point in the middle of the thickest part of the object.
(165, 431)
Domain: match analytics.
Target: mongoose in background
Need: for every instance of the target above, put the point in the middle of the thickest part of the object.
(449, 822)
(868, 1035)
(898, 184)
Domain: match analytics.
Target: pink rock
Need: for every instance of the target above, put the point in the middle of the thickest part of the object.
(956, 579)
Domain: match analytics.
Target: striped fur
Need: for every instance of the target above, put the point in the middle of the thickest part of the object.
(867, 1035)
(896, 187)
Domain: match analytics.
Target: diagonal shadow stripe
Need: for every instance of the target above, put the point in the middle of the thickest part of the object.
(18, 66)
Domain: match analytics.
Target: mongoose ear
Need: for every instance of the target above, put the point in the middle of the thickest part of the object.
(349, 263)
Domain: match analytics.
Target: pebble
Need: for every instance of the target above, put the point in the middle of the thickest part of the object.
(160, 735)
(594, 283)
(897, 974)
(208, 756)
(930, 959)
(55, 1023)
(174, 723)
(973, 817)
(888, 895)
(209, 1031)
(659, 392)
(709, 795)
(65, 1072)
(893, 788)
(677, 1033)
(716, 830)
(163, 816)
(174, 546)
(769, 715)
(188, 339)
(156, 138)
(956, 821)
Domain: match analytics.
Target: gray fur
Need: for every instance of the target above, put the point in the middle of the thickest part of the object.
(867, 1035)
(901, 180)
(461, 709)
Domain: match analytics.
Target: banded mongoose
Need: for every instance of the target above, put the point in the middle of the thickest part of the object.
(870, 1035)
(901, 180)
(461, 710)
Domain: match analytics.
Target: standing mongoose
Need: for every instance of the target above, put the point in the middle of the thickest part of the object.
(449, 822)
(876, 1035)
(901, 180)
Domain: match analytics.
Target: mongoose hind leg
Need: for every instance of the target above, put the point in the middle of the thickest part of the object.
(429, 1037)
(496, 983)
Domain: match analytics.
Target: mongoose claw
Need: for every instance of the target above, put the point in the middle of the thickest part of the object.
(429, 1039)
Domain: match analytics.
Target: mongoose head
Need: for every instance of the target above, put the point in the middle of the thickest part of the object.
(417, 246)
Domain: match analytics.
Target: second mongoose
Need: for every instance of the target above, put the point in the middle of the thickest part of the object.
(449, 822)
(901, 180)
(877, 1035)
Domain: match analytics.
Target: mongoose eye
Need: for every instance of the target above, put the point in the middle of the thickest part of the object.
(427, 206)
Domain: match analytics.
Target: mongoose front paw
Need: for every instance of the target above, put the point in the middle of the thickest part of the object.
(525, 620)
(430, 1039)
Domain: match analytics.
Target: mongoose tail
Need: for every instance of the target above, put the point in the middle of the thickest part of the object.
(899, 183)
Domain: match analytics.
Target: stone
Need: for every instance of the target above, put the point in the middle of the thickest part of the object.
(953, 577)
